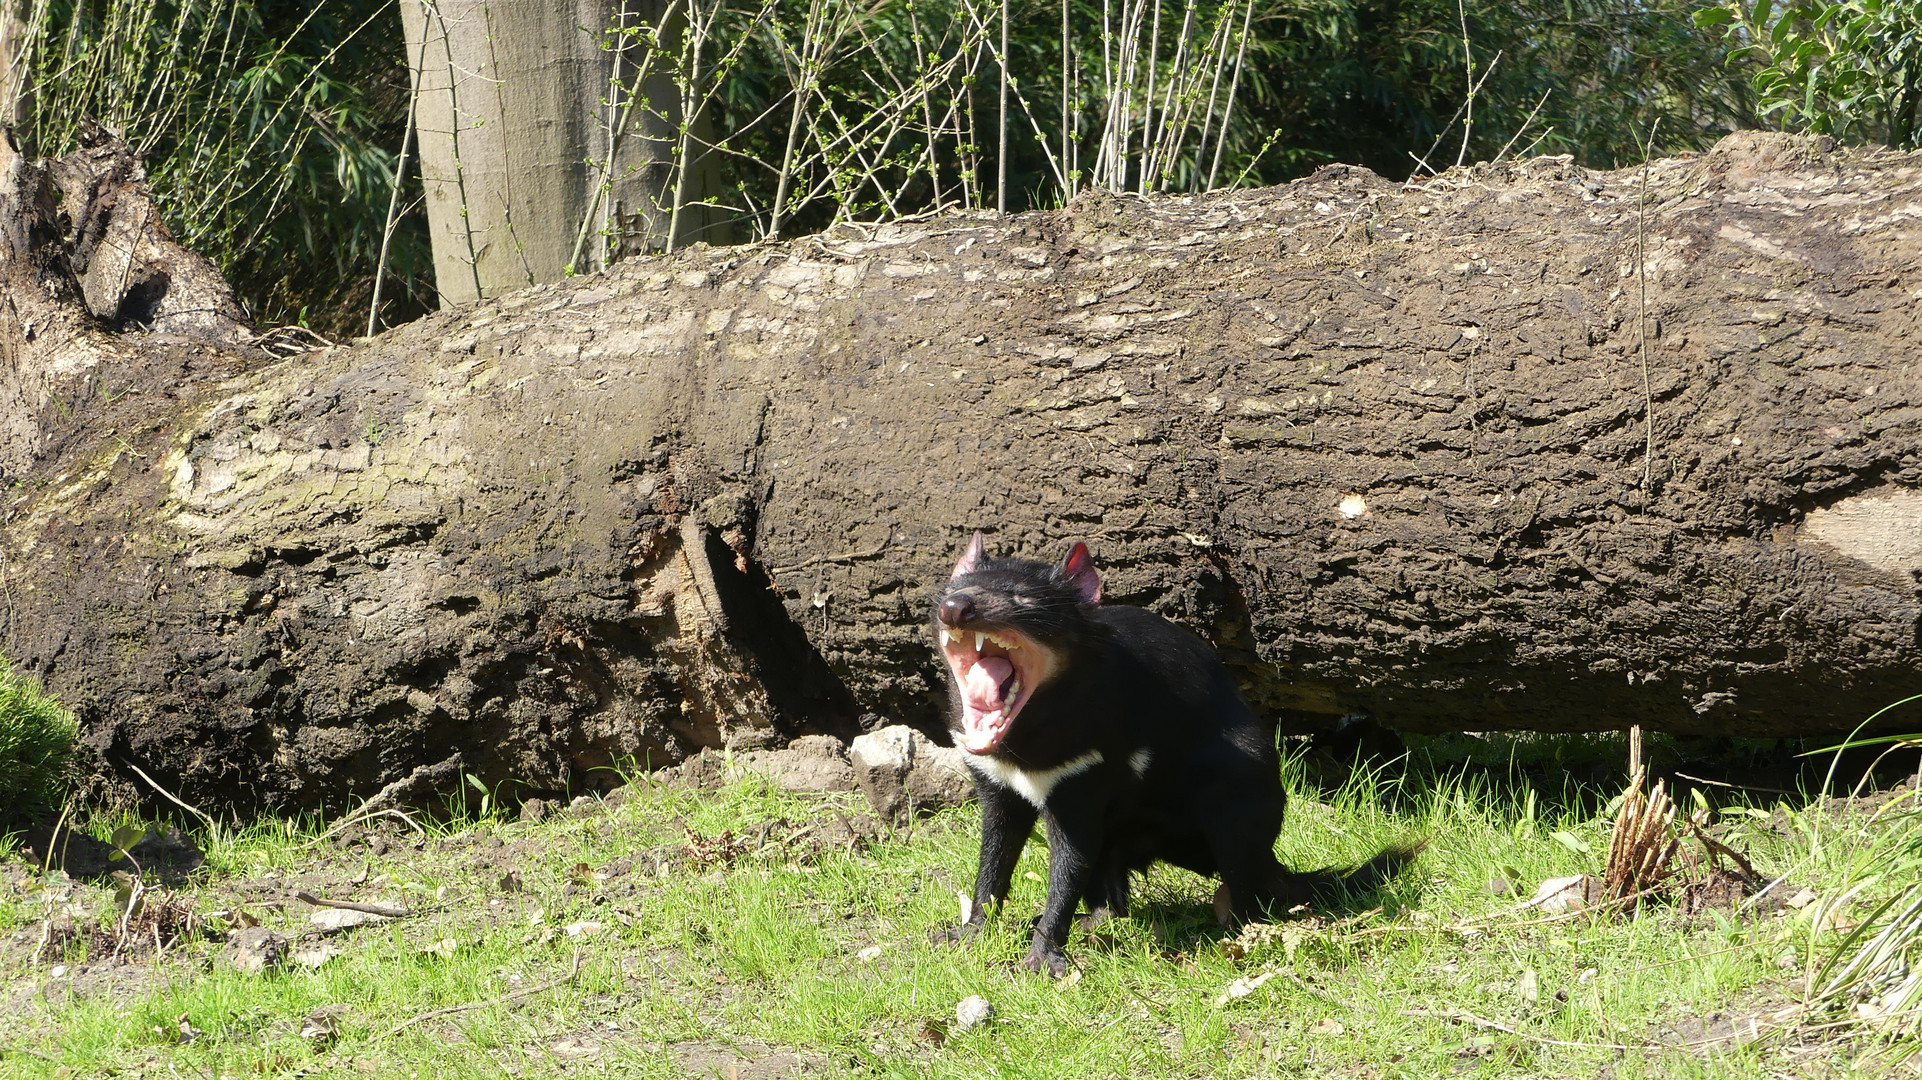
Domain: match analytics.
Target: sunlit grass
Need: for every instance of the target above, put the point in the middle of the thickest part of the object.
(830, 958)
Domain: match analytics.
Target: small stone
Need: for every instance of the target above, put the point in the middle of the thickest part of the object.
(1500, 886)
(972, 1011)
(59, 971)
(534, 810)
(315, 956)
(256, 949)
(333, 920)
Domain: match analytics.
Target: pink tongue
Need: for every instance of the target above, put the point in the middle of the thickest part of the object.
(983, 685)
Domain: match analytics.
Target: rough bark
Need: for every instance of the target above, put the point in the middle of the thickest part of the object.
(1396, 450)
(16, 85)
(534, 118)
(82, 252)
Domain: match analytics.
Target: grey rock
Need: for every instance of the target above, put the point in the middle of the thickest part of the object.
(972, 1011)
(810, 764)
(256, 949)
(899, 768)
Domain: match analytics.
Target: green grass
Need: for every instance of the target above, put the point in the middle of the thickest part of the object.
(36, 742)
(699, 967)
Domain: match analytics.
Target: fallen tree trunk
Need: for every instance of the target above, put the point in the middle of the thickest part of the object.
(1520, 447)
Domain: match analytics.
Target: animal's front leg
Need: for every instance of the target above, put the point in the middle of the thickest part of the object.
(1006, 821)
(1075, 832)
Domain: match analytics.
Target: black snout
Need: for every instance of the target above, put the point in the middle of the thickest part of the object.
(957, 610)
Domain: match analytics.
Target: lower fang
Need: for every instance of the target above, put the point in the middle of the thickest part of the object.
(944, 639)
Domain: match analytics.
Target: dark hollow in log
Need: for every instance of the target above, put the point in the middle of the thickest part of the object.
(1522, 446)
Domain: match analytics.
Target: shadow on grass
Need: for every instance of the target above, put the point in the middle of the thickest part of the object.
(1578, 774)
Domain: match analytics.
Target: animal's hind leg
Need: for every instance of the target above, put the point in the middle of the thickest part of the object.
(1107, 892)
(1241, 832)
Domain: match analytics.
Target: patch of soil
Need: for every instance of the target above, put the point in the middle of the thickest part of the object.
(747, 1061)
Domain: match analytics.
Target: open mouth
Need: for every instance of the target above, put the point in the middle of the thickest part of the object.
(997, 671)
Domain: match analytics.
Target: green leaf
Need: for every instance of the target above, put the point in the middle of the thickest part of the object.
(475, 783)
(1570, 841)
(126, 836)
(1715, 16)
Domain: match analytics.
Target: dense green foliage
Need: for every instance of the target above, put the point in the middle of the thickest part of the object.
(272, 128)
(1853, 70)
(270, 131)
(1378, 82)
(36, 744)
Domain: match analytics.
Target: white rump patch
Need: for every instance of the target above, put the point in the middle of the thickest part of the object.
(1032, 785)
(1138, 761)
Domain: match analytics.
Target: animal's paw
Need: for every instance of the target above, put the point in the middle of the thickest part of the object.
(1045, 959)
(1093, 920)
(955, 935)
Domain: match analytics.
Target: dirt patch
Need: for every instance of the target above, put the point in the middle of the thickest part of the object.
(747, 1061)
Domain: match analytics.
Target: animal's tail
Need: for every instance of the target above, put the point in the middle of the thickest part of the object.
(1290, 888)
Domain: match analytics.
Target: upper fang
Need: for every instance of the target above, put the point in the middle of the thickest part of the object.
(944, 637)
(979, 637)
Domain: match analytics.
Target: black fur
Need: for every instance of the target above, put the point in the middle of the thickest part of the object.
(1209, 798)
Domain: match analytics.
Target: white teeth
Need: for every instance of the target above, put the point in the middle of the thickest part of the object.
(979, 637)
(1014, 688)
(944, 637)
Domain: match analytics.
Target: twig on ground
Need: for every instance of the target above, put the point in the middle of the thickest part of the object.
(1704, 956)
(1494, 1025)
(1486, 922)
(390, 911)
(573, 970)
(1317, 991)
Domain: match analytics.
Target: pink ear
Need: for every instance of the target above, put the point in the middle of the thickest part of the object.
(971, 558)
(1078, 568)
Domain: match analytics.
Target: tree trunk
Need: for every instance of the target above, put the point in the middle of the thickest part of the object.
(548, 138)
(1508, 449)
(16, 74)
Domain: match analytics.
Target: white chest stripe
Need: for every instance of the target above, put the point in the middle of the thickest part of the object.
(1138, 761)
(1032, 785)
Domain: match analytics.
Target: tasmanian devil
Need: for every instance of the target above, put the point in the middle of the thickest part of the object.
(1122, 731)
